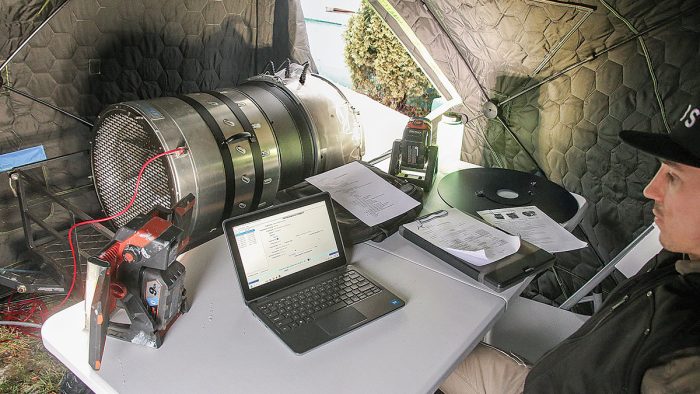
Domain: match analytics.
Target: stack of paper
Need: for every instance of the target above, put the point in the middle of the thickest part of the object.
(465, 237)
(364, 193)
(534, 226)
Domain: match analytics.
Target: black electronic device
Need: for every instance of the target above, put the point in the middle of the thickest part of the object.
(291, 265)
(413, 157)
(137, 272)
(499, 275)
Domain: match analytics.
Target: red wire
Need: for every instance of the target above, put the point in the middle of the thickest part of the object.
(25, 311)
(123, 211)
(43, 311)
(31, 312)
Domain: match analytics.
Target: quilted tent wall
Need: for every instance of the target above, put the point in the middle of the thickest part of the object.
(566, 78)
(93, 53)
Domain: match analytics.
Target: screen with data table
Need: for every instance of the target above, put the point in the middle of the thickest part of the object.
(282, 244)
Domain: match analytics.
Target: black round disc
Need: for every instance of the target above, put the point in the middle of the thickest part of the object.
(476, 189)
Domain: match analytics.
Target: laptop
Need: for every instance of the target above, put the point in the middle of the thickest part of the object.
(294, 275)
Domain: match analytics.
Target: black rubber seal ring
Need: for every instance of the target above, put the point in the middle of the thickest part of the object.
(208, 118)
(254, 146)
(300, 118)
(289, 149)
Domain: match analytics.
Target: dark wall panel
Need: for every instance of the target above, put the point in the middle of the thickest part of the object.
(567, 78)
(93, 53)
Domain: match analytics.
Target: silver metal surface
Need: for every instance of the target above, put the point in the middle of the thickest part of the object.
(124, 143)
(328, 109)
(268, 144)
(300, 129)
(200, 171)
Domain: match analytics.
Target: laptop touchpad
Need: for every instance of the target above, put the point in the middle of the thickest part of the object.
(340, 321)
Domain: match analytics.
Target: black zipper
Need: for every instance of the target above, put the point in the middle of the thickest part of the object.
(640, 342)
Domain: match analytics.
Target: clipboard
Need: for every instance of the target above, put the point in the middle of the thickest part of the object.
(499, 275)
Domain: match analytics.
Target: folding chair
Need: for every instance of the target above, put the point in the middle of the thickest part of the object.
(529, 328)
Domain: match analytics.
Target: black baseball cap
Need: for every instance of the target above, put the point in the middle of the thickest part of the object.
(681, 145)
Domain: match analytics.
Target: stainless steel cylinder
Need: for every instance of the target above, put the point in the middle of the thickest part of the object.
(243, 145)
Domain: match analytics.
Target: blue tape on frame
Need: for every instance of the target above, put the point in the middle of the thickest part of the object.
(22, 157)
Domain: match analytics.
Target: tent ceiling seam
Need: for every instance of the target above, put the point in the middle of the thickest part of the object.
(481, 87)
(594, 56)
(483, 91)
(650, 67)
(481, 135)
(461, 55)
(587, 12)
(527, 152)
(41, 26)
(47, 104)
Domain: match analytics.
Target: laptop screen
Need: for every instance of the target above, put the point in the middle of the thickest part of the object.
(282, 244)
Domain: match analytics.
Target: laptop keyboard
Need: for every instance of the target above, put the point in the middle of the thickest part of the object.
(302, 307)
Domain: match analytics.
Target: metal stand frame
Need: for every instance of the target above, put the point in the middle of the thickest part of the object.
(51, 268)
(604, 272)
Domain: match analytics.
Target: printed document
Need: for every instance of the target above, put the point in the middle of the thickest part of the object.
(465, 237)
(364, 193)
(534, 226)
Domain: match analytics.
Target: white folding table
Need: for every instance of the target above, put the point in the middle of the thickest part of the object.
(220, 346)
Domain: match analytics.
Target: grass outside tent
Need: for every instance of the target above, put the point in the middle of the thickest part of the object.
(26, 366)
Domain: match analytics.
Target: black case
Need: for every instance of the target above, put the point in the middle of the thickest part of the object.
(499, 275)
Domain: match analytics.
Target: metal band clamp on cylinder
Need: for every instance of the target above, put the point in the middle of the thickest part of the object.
(244, 144)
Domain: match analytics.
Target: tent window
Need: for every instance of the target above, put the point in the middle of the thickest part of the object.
(383, 81)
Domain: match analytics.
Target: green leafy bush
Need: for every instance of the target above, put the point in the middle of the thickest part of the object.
(381, 68)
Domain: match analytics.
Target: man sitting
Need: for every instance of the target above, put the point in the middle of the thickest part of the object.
(646, 336)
